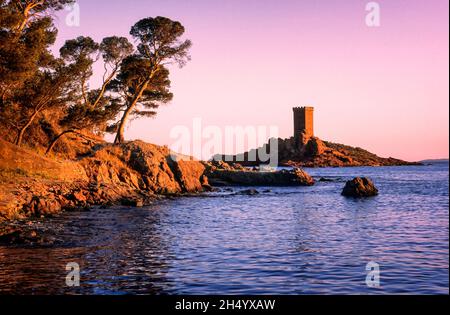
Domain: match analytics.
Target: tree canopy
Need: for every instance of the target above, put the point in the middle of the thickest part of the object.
(54, 93)
(144, 81)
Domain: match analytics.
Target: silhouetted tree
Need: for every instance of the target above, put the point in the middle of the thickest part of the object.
(33, 81)
(144, 76)
(128, 84)
(114, 50)
(91, 110)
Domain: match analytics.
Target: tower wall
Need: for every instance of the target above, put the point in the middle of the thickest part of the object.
(304, 121)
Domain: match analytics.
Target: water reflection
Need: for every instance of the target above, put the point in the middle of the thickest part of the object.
(118, 250)
(304, 240)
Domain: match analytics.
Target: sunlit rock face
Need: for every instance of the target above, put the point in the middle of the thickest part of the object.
(129, 174)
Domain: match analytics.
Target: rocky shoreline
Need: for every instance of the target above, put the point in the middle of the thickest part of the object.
(133, 174)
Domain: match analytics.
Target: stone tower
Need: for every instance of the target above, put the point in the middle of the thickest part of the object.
(304, 122)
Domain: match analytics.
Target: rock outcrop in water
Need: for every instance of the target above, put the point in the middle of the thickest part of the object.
(303, 149)
(314, 152)
(360, 187)
(131, 174)
(240, 177)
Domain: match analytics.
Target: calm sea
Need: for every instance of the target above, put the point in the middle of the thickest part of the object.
(297, 240)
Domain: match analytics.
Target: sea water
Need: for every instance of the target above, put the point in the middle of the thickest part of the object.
(287, 240)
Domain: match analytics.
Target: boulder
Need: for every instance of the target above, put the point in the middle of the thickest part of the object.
(302, 178)
(249, 192)
(221, 165)
(21, 234)
(44, 206)
(360, 187)
(78, 196)
(296, 177)
(190, 175)
(315, 147)
(136, 203)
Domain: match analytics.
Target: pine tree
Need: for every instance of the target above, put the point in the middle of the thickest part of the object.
(144, 78)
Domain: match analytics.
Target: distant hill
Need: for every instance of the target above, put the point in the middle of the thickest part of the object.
(434, 161)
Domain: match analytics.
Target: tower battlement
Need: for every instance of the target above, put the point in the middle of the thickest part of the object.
(303, 122)
(302, 108)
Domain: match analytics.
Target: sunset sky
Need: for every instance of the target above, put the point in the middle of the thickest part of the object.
(381, 88)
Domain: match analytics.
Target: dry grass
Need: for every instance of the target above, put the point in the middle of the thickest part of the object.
(17, 162)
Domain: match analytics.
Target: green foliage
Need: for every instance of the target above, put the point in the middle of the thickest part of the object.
(144, 81)
(88, 109)
(26, 34)
(159, 41)
(133, 73)
(35, 85)
(115, 49)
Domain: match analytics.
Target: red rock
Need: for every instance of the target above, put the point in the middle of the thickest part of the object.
(360, 187)
(79, 196)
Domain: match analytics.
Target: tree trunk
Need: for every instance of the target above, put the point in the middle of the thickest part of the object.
(24, 128)
(104, 86)
(24, 22)
(74, 131)
(26, 14)
(120, 131)
(55, 140)
(119, 136)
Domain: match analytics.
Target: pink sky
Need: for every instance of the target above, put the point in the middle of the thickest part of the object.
(384, 89)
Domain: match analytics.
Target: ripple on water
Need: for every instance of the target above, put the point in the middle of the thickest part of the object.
(305, 240)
